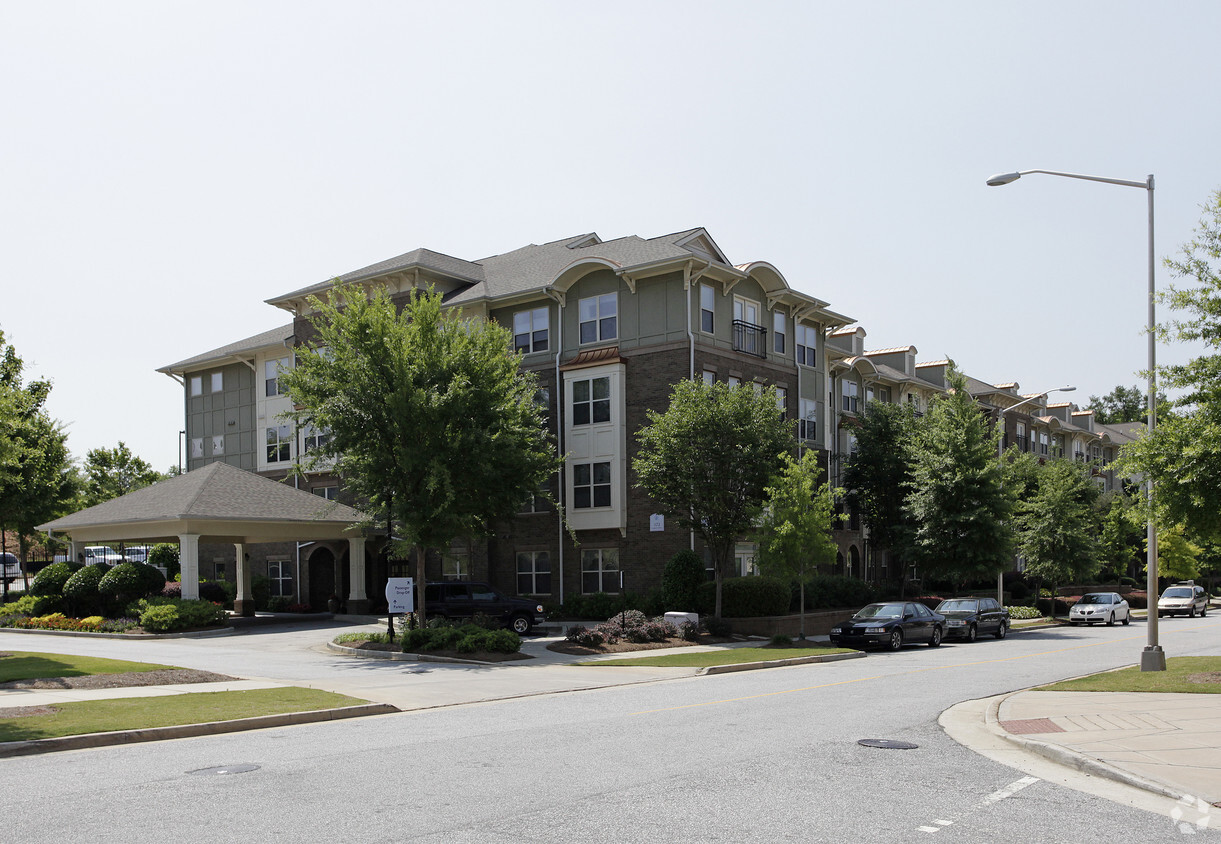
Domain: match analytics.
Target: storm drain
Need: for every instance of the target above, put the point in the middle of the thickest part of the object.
(224, 769)
(887, 744)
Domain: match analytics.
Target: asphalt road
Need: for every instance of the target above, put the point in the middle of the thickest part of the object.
(757, 756)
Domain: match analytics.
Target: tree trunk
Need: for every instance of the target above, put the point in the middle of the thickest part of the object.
(421, 609)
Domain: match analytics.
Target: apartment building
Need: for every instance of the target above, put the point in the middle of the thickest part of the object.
(609, 327)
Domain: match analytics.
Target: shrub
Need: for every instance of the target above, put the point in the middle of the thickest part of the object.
(161, 618)
(81, 590)
(165, 554)
(51, 580)
(183, 614)
(781, 641)
(681, 580)
(173, 589)
(654, 603)
(502, 642)
(1019, 590)
(260, 591)
(599, 605)
(33, 605)
(832, 591)
(748, 597)
(1024, 612)
(689, 631)
(128, 582)
(151, 578)
(589, 638)
(277, 604)
(299, 608)
(718, 627)
(210, 590)
(465, 639)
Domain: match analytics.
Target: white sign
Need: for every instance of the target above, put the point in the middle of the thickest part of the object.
(657, 522)
(400, 594)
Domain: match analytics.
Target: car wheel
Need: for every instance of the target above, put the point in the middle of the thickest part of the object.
(1204, 611)
(1001, 631)
(896, 639)
(520, 625)
(1191, 613)
(1111, 620)
(1127, 619)
(972, 633)
(935, 639)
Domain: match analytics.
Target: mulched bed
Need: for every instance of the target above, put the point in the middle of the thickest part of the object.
(160, 677)
(573, 649)
(1205, 677)
(478, 656)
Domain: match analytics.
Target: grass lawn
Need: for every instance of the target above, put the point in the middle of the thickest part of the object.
(25, 665)
(724, 656)
(135, 713)
(1191, 674)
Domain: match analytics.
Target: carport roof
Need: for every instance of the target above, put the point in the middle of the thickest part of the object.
(219, 501)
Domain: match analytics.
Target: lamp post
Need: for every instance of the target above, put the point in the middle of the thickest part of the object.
(1152, 658)
(1000, 454)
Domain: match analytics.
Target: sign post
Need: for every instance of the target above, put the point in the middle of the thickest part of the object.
(400, 598)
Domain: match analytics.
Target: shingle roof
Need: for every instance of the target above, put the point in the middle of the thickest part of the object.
(216, 492)
(274, 337)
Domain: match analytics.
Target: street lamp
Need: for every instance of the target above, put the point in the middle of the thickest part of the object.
(1152, 658)
(1000, 454)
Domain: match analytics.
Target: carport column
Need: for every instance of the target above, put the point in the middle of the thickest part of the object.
(75, 548)
(244, 603)
(358, 600)
(188, 559)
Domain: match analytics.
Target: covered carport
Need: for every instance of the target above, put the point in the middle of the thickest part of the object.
(222, 504)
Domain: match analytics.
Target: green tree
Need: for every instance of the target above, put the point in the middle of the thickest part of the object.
(111, 472)
(1183, 455)
(1177, 556)
(1122, 541)
(1058, 526)
(795, 533)
(431, 418)
(878, 476)
(1123, 404)
(708, 459)
(955, 495)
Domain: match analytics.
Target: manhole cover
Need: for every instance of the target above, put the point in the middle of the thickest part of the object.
(225, 769)
(888, 744)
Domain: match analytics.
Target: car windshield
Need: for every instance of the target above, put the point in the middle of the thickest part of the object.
(1095, 599)
(958, 606)
(1177, 592)
(881, 611)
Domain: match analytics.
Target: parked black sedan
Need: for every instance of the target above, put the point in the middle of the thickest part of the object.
(967, 618)
(891, 625)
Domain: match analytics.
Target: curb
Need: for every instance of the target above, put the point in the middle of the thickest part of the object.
(776, 663)
(1071, 758)
(208, 728)
(131, 637)
(398, 656)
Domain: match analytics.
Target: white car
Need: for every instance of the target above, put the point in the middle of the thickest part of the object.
(96, 555)
(1183, 598)
(1100, 607)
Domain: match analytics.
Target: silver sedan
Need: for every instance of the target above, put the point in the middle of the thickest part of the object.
(1100, 607)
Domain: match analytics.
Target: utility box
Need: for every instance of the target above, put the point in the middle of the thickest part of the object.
(678, 619)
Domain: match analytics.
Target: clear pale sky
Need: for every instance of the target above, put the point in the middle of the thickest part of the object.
(168, 166)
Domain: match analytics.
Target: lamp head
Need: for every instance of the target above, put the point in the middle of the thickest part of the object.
(1003, 179)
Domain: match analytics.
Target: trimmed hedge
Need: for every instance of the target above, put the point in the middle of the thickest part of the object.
(81, 590)
(51, 580)
(681, 581)
(466, 639)
(747, 597)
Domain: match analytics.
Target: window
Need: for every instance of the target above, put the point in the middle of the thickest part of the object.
(707, 308)
(591, 485)
(218, 444)
(782, 400)
(533, 573)
(778, 332)
(599, 570)
(744, 560)
(197, 446)
(280, 573)
(591, 401)
(279, 444)
(530, 330)
(747, 333)
(456, 565)
(271, 371)
(873, 394)
(598, 318)
(330, 493)
(848, 390)
(807, 426)
(807, 343)
(733, 381)
(197, 385)
(316, 438)
(709, 377)
(536, 502)
(218, 382)
(1042, 442)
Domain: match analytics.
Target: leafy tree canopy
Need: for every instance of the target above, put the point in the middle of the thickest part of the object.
(707, 461)
(1058, 527)
(111, 472)
(1123, 404)
(879, 475)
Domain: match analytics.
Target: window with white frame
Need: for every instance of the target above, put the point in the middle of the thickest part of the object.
(599, 318)
(733, 381)
(591, 485)
(279, 444)
(782, 400)
(530, 330)
(1042, 442)
(709, 377)
(707, 308)
(848, 390)
(778, 331)
(599, 570)
(807, 344)
(197, 446)
(315, 438)
(218, 444)
(456, 565)
(197, 385)
(807, 426)
(745, 557)
(280, 573)
(533, 573)
(591, 401)
(218, 382)
(271, 375)
(535, 502)
(330, 493)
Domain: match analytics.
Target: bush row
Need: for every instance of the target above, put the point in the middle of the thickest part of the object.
(465, 639)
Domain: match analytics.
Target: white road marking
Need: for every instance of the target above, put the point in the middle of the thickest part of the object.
(995, 797)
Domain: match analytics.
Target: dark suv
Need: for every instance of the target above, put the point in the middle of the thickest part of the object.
(461, 600)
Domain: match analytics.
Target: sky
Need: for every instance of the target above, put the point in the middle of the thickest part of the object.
(167, 167)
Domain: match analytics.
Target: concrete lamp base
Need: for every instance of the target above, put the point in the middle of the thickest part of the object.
(1153, 659)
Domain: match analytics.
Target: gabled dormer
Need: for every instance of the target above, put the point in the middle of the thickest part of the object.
(902, 358)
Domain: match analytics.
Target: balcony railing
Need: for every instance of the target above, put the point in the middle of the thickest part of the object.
(749, 338)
